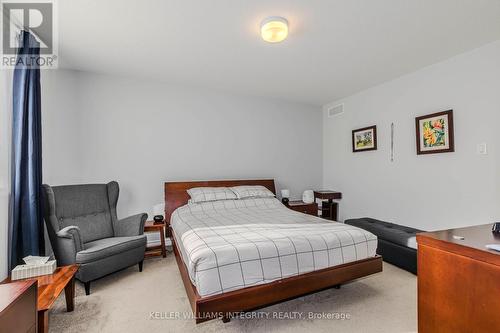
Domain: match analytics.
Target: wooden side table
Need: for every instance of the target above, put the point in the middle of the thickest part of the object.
(157, 250)
(49, 288)
(302, 207)
(329, 208)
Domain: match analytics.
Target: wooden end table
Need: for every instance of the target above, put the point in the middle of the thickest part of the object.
(157, 250)
(329, 208)
(49, 288)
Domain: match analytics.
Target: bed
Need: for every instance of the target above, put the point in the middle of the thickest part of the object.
(240, 255)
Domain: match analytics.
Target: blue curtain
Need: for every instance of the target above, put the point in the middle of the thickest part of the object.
(26, 228)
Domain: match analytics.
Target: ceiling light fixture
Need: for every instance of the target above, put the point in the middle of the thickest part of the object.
(274, 29)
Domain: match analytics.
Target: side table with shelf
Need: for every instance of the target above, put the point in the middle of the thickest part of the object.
(329, 208)
(157, 250)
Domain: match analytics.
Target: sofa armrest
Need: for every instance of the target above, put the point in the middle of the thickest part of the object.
(72, 232)
(69, 243)
(130, 226)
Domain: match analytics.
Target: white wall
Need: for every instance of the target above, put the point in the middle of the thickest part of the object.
(61, 130)
(99, 128)
(5, 125)
(427, 191)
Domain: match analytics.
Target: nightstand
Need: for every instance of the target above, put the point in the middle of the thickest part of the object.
(329, 208)
(158, 250)
(302, 207)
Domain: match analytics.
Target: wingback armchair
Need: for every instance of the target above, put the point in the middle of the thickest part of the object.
(84, 229)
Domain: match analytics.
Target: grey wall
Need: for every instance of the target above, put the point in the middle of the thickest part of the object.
(98, 128)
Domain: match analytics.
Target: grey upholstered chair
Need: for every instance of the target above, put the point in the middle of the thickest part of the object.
(83, 228)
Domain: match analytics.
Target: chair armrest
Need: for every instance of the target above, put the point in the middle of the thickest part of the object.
(68, 244)
(130, 226)
(72, 232)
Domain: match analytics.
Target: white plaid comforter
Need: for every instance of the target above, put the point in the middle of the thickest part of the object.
(232, 244)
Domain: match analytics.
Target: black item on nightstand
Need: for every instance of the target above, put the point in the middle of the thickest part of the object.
(496, 228)
(158, 219)
(393, 241)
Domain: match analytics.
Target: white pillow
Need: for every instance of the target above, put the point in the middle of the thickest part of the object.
(255, 191)
(203, 194)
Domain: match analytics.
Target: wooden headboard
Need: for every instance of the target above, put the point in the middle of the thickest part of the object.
(176, 192)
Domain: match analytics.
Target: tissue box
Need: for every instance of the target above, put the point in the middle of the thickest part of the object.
(28, 271)
(35, 260)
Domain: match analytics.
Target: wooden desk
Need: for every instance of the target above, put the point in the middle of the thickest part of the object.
(18, 307)
(159, 249)
(49, 288)
(458, 281)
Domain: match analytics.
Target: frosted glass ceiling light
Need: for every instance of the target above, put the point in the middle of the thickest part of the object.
(274, 29)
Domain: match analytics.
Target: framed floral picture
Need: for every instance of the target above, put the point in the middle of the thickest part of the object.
(435, 133)
(364, 139)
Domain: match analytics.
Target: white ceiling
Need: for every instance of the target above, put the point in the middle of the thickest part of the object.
(335, 47)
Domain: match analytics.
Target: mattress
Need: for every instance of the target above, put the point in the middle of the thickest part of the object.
(233, 244)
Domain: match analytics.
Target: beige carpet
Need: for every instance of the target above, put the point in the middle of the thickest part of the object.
(123, 302)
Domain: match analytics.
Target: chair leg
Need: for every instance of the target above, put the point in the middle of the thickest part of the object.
(87, 288)
(140, 265)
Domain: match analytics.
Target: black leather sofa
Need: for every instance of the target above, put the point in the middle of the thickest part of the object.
(396, 243)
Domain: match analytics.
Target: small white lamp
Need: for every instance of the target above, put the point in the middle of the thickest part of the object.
(308, 196)
(285, 196)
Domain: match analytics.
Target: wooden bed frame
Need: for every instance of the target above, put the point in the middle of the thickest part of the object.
(252, 298)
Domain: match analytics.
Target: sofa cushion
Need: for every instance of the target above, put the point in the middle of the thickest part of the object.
(92, 226)
(395, 233)
(108, 247)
